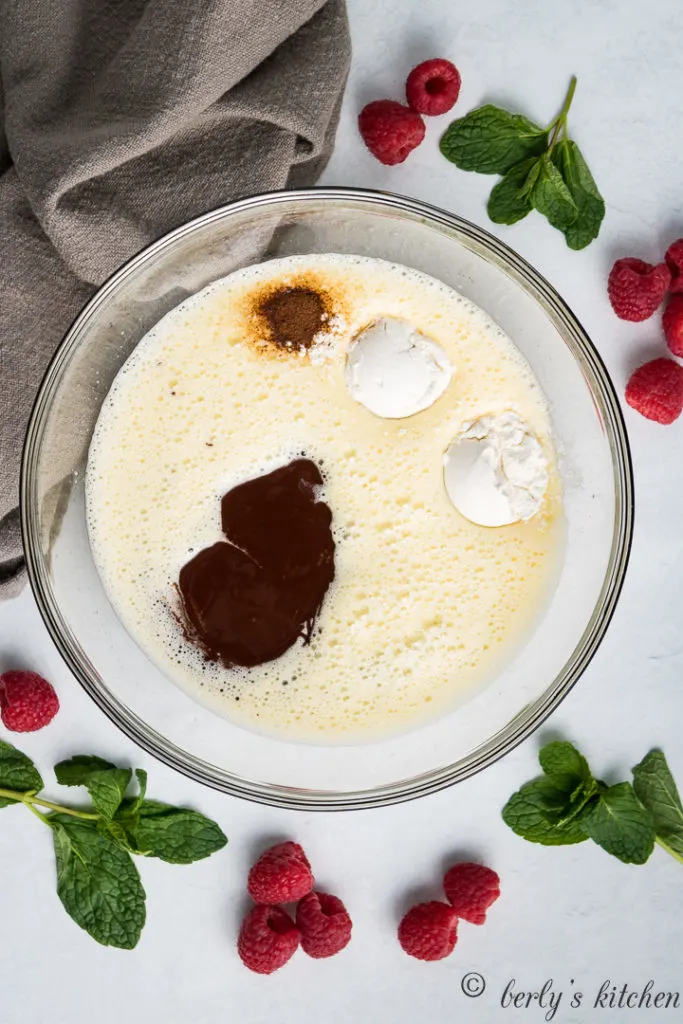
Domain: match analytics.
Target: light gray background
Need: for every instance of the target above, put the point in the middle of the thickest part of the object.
(565, 914)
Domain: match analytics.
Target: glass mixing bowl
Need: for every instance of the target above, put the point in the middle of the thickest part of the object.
(594, 462)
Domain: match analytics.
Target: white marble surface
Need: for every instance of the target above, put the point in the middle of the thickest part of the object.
(565, 914)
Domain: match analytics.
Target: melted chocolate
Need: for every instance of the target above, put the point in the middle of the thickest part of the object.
(246, 600)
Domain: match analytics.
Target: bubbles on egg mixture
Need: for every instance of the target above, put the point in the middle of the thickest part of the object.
(424, 606)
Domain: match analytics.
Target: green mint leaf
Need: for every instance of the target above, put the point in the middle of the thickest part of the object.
(566, 768)
(551, 197)
(98, 883)
(153, 808)
(127, 815)
(107, 789)
(583, 796)
(507, 203)
(76, 770)
(17, 772)
(532, 176)
(655, 788)
(569, 160)
(620, 824)
(491, 140)
(119, 833)
(127, 811)
(141, 776)
(132, 809)
(538, 812)
(175, 834)
(105, 782)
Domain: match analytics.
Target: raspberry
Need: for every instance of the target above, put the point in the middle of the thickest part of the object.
(281, 875)
(433, 86)
(672, 322)
(268, 939)
(655, 390)
(324, 924)
(674, 261)
(636, 288)
(429, 931)
(27, 701)
(470, 890)
(390, 130)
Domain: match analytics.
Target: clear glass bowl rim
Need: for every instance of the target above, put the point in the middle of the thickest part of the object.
(527, 720)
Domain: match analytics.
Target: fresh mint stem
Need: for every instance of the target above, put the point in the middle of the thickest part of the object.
(559, 124)
(45, 820)
(29, 801)
(676, 856)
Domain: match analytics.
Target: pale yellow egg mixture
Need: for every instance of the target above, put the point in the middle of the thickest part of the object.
(425, 606)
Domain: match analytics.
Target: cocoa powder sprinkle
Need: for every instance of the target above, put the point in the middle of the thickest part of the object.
(295, 316)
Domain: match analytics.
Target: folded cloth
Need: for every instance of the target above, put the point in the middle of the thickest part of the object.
(119, 120)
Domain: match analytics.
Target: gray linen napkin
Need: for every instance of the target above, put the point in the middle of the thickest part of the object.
(119, 120)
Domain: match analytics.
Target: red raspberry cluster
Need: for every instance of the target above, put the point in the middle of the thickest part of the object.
(269, 937)
(636, 290)
(391, 130)
(429, 931)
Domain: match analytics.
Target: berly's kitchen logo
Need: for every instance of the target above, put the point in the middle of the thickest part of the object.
(549, 997)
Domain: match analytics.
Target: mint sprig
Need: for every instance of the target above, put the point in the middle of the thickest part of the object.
(97, 880)
(543, 169)
(568, 805)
